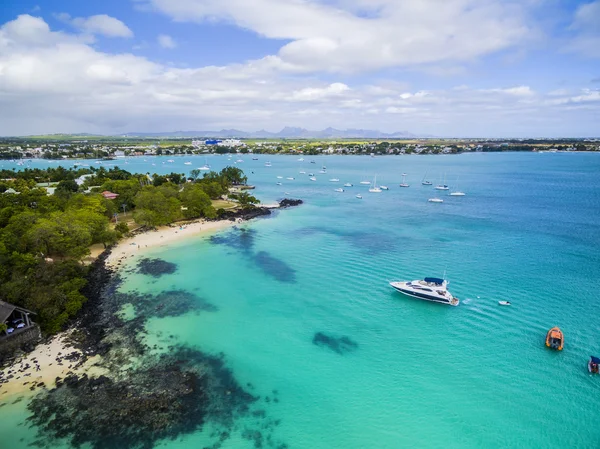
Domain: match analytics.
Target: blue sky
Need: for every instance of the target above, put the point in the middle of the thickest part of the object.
(448, 68)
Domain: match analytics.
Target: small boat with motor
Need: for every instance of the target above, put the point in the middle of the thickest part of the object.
(338, 190)
(347, 185)
(555, 339)
(312, 178)
(290, 178)
(504, 303)
(429, 289)
(384, 187)
(594, 365)
(359, 196)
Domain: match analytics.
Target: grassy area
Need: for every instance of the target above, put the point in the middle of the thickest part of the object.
(222, 204)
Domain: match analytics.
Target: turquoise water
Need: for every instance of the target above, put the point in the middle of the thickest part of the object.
(423, 375)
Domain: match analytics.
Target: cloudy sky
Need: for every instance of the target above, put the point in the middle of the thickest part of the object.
(442, 67)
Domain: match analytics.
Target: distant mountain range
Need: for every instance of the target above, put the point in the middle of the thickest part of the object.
(285, 133)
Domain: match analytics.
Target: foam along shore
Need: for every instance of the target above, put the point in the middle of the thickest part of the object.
(41, 367)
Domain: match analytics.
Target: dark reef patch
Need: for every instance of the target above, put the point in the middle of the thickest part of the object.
(372, 242)
(170, 395)
(341, 345)
(274, 267)
(156, 267)
(241, 239)
(145, 397)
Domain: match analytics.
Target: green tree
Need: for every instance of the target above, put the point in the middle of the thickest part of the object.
(153, 208)
(195, 200)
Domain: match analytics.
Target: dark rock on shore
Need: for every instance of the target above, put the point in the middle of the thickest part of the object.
(340, 345)
(156, 267)
(288, 202)
(245, 214)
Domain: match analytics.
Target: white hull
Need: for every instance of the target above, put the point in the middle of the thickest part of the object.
(432, 296)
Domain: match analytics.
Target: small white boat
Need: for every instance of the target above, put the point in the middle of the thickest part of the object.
(436, 200)
(239, 160)
(504, 303)
(187, 163)
(384, 187)
(374, 188)
(290, 178)
(442, 186)
(205, 168)
(338, 190)
(170, 160)
(279, 184)
(312, 178)
(302, 172)
(359, 196)
(301, 159)
(280, 177)
(347, 185)
(403, 183)
(323, 171)
(366, 183)
(334, 180)
(267, 164)
(425, 182)
(457, 192)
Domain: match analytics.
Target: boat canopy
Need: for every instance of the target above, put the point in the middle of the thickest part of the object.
(595, 360)
(436, 281)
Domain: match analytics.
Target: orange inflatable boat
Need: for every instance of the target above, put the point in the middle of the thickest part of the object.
(555, 339)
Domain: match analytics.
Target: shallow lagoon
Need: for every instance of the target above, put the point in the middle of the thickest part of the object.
(421, 374)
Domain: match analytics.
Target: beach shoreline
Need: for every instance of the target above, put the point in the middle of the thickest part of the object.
(60, 356)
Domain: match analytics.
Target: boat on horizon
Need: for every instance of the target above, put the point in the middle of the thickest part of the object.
(374, 188)
(425, 182)
(555, 339)
(457, 192)
(403, 183)
(428, 289)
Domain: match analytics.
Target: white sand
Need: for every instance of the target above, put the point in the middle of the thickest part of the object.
(45, 356)
(162, 237)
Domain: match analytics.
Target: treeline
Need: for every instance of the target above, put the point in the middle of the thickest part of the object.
(43, 238)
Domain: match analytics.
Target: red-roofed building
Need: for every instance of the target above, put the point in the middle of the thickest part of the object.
(109, 195)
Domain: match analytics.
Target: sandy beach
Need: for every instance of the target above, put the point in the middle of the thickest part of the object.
(163, 237)
(56, 358)
(42, 366)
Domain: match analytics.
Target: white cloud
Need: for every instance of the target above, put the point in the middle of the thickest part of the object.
(166, 41)
(57, 82)
(586, 29)
(98, 25)
(334, 37)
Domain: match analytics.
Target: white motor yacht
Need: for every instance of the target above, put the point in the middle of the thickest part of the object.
(429, 289)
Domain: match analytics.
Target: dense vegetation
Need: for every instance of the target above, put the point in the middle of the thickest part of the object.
(43, 238)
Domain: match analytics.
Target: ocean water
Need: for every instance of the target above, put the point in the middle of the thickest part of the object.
(420, 374)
